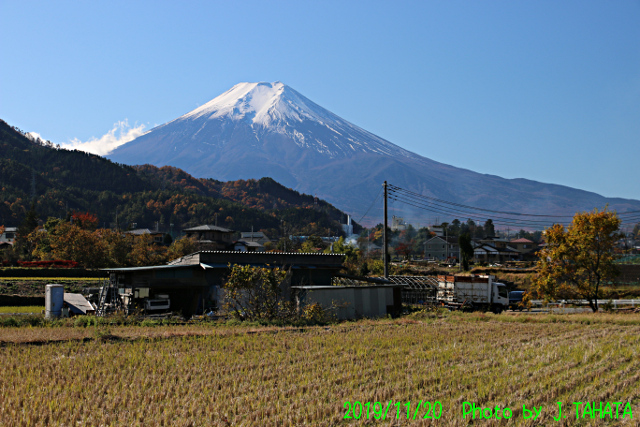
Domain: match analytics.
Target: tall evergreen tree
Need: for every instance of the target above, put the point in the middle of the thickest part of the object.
(23, 246)
(466, 250)
(489, 229)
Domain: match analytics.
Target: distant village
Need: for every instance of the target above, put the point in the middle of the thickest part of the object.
(156, 271)
(438, 243)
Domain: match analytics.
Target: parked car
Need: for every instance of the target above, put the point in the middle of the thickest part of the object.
(515, 300)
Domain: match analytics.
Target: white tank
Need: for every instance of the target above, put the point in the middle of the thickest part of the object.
(53, 300)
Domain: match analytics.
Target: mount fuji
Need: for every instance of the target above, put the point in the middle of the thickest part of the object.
(268, 129)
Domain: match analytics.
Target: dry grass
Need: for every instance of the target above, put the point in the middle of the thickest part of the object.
(219, 376)
(22, 309)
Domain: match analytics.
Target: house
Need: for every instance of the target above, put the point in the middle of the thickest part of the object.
(211, 237)
(254, 236)
(244, 246)
(7, 237)
(485, 252)
(528, 249)
(496, 242)
(524, 246)
(158, 237)
(442, 248)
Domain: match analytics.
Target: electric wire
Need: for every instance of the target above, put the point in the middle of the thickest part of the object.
(452, 211)
(372, 204)
(393, 188)
(504, 218)
(477, 218)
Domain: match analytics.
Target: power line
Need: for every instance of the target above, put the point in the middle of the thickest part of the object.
(517, 219)
(457, 212)
(477, 218)
(393, 188)
(372, 204)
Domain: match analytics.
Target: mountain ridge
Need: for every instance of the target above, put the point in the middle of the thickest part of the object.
(268, 129)
(64, 181)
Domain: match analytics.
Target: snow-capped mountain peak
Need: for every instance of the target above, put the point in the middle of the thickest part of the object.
(262, 103)
(278, 109)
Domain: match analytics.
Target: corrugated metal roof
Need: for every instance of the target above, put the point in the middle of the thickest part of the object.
(208, 228)
(339, 287)
(264, 253)
(149, 267)
(139, 231)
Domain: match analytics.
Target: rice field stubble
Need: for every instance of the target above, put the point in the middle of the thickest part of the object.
(220, 376)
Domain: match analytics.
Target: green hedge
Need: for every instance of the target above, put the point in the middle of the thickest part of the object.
(21, 301)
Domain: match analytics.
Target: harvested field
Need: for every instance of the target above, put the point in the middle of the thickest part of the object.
(220, 375)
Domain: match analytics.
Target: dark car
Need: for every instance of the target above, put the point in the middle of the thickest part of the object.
(515, 300)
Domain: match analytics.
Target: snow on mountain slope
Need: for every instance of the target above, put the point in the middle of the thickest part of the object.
(276, 108)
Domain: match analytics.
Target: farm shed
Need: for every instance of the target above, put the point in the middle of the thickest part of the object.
(352, 302)
(414, 289)
(194, 282)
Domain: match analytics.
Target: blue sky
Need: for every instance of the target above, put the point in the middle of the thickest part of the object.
(544, 90)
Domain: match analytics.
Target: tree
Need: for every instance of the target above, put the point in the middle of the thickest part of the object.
(404, 249)
(145, 252)
(489, 229)
(312, 244)
(255, 293)
(86, 220)
(23, 244)
(341, 247)
(579, 259)
(118, 246)
(466, 250)
(454, 228)
(364, 269)
(182, 247)
(69, 242)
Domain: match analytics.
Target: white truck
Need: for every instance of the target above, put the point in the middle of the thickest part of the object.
(473, 292)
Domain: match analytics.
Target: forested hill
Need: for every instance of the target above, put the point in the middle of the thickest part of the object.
(20, 157)
(264, 193)
(64, 181)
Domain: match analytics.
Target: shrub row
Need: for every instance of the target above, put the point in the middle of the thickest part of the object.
(49, 264)
(21, 301)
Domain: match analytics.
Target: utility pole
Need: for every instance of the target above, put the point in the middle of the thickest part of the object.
(385, 249)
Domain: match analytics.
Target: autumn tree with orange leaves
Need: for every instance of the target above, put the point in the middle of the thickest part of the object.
(579, 259)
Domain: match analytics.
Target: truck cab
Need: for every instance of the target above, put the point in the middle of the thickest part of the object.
(500, 298)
